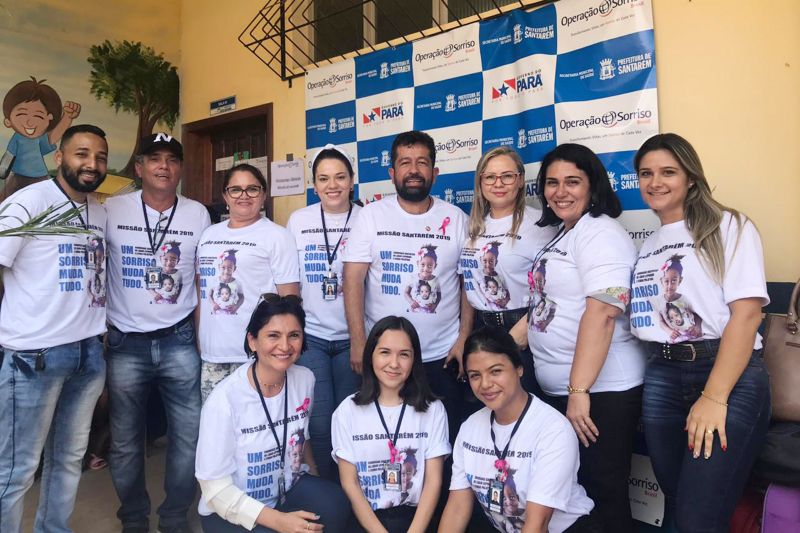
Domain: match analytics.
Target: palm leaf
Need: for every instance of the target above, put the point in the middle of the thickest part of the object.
(51, 221)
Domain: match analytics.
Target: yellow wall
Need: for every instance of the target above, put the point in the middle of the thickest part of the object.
(728, 80)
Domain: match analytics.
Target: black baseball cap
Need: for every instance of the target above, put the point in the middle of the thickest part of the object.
(153, 142)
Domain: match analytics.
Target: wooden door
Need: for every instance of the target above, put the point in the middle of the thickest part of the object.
(246, 134)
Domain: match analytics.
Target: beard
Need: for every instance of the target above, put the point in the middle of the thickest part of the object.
(414, 194)
(73, 180)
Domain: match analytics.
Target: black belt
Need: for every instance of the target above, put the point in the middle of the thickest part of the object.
(686, 351)
(156, 333)
(502, 319)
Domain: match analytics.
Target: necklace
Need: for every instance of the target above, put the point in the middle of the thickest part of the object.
(271, 386)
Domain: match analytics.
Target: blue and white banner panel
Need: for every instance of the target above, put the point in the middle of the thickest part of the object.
(580, 71)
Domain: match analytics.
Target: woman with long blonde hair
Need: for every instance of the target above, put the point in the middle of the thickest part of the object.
(502, 243)
(698, 289)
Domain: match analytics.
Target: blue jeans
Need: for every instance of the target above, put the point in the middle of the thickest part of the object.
(312, 494)
(702, 493)
(46, 407)
(136, 363)
(335, 381)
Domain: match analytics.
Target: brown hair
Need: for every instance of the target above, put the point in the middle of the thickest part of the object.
(30, 91)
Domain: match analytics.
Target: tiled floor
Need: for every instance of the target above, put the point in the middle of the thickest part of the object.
(97, 503)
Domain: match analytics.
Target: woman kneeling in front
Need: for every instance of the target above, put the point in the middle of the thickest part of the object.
(390, 438)
(517, 455)
(250, 481)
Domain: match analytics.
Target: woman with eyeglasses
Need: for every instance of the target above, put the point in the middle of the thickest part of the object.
(518, 457)
(503, 240)
(390, 438)
(699, 286)
(250, 428)
(321, 231)
(237, 260)
(587, 362)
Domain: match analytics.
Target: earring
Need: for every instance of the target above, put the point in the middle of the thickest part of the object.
(227, 207)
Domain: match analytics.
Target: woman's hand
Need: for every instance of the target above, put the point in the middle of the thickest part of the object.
(578, 415)
(356, 356)
(298, 522)
(705, 417)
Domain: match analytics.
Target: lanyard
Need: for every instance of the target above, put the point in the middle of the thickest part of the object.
(84, 223)
(501, 457)
(330, 254)
(281, 447)
(392, 441)
(152, 236)
(549, 246)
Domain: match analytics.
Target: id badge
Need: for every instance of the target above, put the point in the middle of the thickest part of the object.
(281, 488)
(495, 496)
(89, 254)
(152, 278)
(330, 287)
(391, 477)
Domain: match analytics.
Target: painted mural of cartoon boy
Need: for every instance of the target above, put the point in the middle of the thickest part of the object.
(34, 111)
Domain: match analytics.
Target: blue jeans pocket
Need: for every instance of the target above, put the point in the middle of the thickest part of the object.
(115, 338)
(28, 362)
(185, 333)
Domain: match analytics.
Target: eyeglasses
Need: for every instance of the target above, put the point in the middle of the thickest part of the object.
(271, 298)
(236, 192)
(506, 178)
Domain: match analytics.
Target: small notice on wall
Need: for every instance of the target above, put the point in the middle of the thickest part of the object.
(223, 105)
(288, 178)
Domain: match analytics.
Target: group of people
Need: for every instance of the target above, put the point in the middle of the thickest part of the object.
(384, 368)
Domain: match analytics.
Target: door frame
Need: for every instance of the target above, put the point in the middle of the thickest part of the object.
(198, 168)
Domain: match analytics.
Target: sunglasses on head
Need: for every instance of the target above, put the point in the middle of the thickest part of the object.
(271, 298)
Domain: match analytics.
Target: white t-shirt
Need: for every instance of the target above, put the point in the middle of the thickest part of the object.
(495, 266)
(51, 295)
(396, 244)
(697, 306)
(235, 438)
(132, 263)
(594, 258)
(543, 461)
(236, 266)
(324, 318)
(359, 438)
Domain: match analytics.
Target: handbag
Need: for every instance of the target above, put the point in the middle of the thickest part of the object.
(782, 358)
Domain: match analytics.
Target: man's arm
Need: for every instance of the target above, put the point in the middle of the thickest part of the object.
(355, 274)
(466, 320)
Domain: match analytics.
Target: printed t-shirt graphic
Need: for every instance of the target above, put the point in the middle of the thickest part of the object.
(241, 444)
(594, 259)
(57, 298)
(325, 318)
(543, 467)
(139, 278)
(400, 248)
(674, 299)
(496, 265)
(236, 266)
(359, 438)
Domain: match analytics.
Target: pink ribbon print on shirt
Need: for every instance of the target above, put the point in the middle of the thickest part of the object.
(304, 406)
(444, 225)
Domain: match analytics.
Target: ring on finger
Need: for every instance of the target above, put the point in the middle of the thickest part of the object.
(709, 431)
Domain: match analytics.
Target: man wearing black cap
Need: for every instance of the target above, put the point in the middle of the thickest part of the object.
(152, 238)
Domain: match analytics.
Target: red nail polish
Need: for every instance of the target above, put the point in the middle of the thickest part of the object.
(724, 448)
(691, 446)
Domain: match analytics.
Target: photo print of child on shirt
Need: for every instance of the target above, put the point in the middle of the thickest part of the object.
(675, 315)
(492, 289)
(226, 297)
(423, 293)
(171, 280)
(543, 309)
